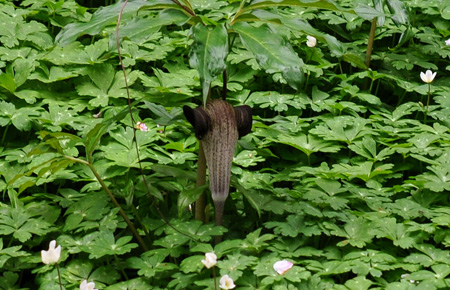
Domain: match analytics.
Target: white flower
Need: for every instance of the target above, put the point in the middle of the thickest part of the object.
(311, 42)
(226, 282)
(447, 42)
(87, 286)
(210, 260)
(141, 126)
(52, 255)
(428, 76)
(282, 266)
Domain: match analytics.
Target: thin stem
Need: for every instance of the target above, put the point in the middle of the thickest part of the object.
(215, 279)
(428, 104)
(308, 74)
(4, 135)
(141, 170)
(113, 199)
(59, 277)
(238, 13)
(120, 267)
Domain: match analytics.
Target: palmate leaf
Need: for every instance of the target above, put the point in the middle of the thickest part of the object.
(343, 128)
(272, 52)
(356, 231)
(397, 232)
(106, 244)
(18, 223)
(150, 266)
(308, 144)
(234, 264)
(132, 284)
(364, 171)
(209, 51)
(438, 178)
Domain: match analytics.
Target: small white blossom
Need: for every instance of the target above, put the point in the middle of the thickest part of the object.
(87, 286)
(141, 126)
(428, 76)
(53, 254)
(311, 41)
(282, 266)
(447, 42)
(226, 282)
(210, 260)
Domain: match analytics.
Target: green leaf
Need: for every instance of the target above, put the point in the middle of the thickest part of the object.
(10, 252)
(139, 30)
(272, 52)
(189, 196)
(94, 135)
(150, 266)
(7, 81)
(234, 265)
(209, 51)
(165, 118)
(359, 283)
(105, 16)
(367, 12)
(18, 223)
(105, 244)
(400, 14)
(308, 144)
(320, 4)
(132, 284)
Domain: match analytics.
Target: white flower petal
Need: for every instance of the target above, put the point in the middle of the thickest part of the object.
(428, 76)
(311, 41)
(87, 286)
(210, 260)
(226, 282)
(282, 266)
(53, 254)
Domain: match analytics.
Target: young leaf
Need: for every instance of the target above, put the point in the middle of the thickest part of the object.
(209, 51)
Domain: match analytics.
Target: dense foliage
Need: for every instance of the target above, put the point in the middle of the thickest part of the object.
(345, 174)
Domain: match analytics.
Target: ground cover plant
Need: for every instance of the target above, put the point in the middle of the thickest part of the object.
(342, 183)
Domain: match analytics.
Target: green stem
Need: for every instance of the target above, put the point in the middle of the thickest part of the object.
(113, 199)
(215, 279)
(238, 13)
(200, 204)
(428, 104)
(4, 134)
(120, 267)
(59, 277)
